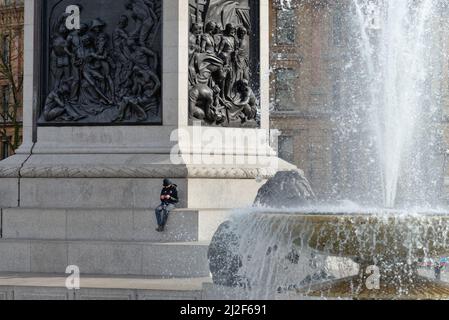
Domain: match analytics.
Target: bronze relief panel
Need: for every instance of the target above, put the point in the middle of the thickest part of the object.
(224, 63)
(101, 63)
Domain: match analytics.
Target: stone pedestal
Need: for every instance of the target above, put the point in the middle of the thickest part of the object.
(122, 166)
(84, 194)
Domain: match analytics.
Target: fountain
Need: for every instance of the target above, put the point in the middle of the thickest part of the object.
(390, 122)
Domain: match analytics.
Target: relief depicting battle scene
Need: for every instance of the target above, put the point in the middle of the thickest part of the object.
(106, 70)
(221, 87)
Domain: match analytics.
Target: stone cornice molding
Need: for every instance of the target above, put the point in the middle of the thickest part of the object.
(130, 172)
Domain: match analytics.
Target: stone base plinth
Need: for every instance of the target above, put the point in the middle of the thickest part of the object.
(52, 287)
(96, 211)
(80, 194)
(186, 259)
(125, 181)
(110, 224)
(107, 241)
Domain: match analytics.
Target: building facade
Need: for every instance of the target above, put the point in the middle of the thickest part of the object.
(11, 75)
(309, 52)
(304, 42)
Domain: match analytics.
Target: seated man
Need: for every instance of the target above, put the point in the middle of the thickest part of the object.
(169, 197)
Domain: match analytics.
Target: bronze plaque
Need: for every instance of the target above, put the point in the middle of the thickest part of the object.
(224, 63)
(101, 62)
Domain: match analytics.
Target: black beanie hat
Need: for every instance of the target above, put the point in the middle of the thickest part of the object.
(167, 182)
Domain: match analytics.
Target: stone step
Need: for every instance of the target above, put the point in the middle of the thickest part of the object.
(184, 259)
(109, 224)
(74, 181)
(29, 286)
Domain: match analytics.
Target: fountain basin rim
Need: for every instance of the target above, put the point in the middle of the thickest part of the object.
(366, 215)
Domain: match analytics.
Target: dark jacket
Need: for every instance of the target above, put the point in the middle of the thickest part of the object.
(171, 191)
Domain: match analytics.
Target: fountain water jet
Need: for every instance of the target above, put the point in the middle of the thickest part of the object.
(390, 123)
(398, 69)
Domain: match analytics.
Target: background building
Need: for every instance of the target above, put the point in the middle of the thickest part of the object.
(11, 76)
(309, 51)
(308, 44)
(305, 90)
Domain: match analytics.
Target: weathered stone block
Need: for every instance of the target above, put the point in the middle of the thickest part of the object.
(48, 257)
(176, 260)
(106, 258)
(14, 256)
(34, 224)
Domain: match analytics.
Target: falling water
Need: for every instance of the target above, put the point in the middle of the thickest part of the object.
(388, 128)
(277, 260)
(395, 41)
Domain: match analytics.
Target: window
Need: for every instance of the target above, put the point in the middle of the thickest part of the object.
(285, 149)
(7, 3)
(6, 49)
(5, 148)
(5, 101)
(286, 26)
(286, 89)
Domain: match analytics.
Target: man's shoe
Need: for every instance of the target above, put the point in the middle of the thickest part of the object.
(159, 229)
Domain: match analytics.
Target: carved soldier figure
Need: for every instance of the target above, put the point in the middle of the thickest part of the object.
(141, 56)
(145, 18)
(102, 54)
(194, 49)
(228, 44)
(122, 53)
(242, 55)
(207, 39)
(75, 44)
(201, 104)
(58, 105)
(195, 39)
(91, 94)
(60, 55)
(226, 51)
(218, 35)
(120, 36)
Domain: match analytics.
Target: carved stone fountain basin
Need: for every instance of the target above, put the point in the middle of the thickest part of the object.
(367, 237)
(395, 243)
(267, 252)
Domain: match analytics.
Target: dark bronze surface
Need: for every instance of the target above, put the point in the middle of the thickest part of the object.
(107, 72)
(223, 63)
